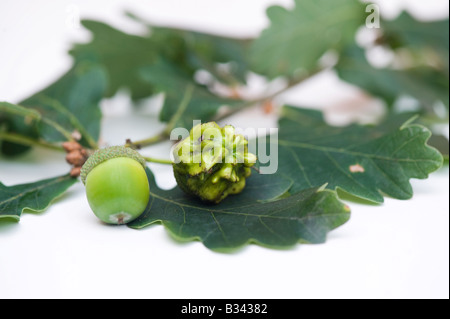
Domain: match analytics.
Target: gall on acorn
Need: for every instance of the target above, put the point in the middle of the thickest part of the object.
(213, 162)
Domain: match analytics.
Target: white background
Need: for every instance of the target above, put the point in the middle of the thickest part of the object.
(399, 249)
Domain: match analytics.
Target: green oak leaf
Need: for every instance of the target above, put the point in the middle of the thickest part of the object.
(37, 196)
(73, 103)
(121, 54)
(206, 51)
(305, 217)
(365, 161)
(407, 32)
(69, 105)
(12, 109)
(15, 118)
(426, 85)
(396, 120)
(441, 143)
(20, 119)
(192, 51)
(185, 100)
(296, 39)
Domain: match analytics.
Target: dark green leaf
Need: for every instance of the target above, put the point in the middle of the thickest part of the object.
(15, 118)
(166, 61)
(440, 142)
(13, 149)
(192, 51)
(121, 54)
(196, 101)
(73, 103)
(266, 188)
(206, 51)
(423, 83)
(69, 105)
(297, 39)
(13, 109)
(362, 160)
(241, 219)
(25, 121)
(33, 196)
(124, 54)
(408, 32)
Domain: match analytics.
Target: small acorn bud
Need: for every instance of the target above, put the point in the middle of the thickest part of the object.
(75, 171)
(213, 162)
(71, 146)
(117, 187)
(76, 158)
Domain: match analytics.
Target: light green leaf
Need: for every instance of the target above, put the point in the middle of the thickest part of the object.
(296, 39)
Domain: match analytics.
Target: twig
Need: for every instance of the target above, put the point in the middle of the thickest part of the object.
(59, 128)
(248, 104)
(148, 141)
(159, 161)
(165, 134)
(25, 140)
(55, 104)
(181, 108)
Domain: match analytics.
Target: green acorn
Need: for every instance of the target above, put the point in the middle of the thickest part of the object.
(213, 162)
(117, 186)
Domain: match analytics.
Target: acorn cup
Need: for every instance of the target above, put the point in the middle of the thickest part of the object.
(213, 162)
(116, 183)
